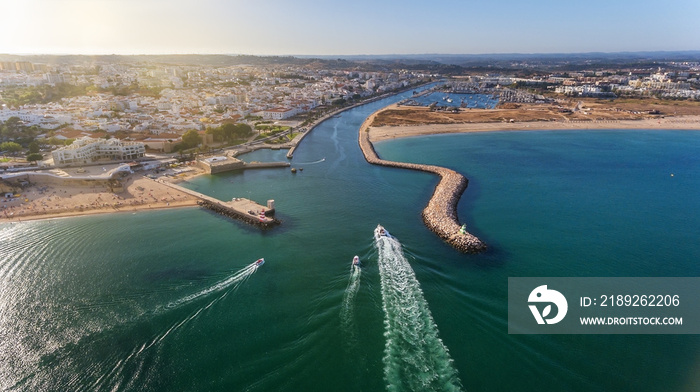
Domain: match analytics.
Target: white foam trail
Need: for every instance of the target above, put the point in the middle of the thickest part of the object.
(348, 308)
(310, 163)
(115, 374)
(415, 358)
(338, 147)
(234, 279)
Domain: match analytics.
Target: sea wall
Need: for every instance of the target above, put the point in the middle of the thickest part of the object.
(440, 215)
(108, 182)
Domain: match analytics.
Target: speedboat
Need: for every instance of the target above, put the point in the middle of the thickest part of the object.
(380, 232)
(259, 262)
(356, 262)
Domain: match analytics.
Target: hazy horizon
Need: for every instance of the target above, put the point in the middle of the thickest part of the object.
(342, 55)
(304, 28)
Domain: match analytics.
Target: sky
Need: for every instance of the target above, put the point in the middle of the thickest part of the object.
(349, 27)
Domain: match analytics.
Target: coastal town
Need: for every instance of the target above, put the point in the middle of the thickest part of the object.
(157, 104)
(71, 127)
(320, 196)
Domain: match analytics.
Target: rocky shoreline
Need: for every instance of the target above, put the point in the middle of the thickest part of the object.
(440, 215)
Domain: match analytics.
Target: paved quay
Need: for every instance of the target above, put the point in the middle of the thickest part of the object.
(440, 215)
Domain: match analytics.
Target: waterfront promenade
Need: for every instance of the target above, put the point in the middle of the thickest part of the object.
(440, 215)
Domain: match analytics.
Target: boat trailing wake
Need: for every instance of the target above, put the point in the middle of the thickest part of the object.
(125, 366)
(232, 282)
(348, 308)
(415, 358)
(310, 163)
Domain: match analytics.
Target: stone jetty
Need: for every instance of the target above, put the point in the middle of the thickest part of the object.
(252, 217)
(239, 208)
(440, 215)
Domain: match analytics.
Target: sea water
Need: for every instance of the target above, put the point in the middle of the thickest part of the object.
(167, 300)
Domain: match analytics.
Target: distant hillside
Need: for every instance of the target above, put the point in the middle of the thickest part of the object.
(439, 63)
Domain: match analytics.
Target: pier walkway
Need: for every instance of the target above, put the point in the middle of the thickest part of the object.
(239, 208)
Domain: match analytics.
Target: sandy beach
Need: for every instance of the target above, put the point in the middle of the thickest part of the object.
(50, 201)
(391, 132)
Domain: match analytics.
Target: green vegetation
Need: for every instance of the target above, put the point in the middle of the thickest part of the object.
(19, 95)
(294, 76)
(133, 88)
(11, 147)
(229, 133)
(12, 128)
(190, 139)
(276, 128)
(269, 131)
(34, 157)
(279, 140)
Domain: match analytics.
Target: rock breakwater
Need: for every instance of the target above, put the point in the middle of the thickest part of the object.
(440, 215)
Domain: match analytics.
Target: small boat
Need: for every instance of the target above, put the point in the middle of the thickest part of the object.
(294, 170)
(380, 232)
(356, 262)
(259, 262)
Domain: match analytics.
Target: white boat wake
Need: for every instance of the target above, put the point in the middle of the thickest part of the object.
(125, 366)
(232, 281)
(311, 163)
(347, 310)
(415, 358)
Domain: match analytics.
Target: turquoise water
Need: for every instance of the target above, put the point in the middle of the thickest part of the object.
(167, 300)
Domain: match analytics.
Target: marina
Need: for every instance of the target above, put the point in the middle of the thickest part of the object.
(453, 100)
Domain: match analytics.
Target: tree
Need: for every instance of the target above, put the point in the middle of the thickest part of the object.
(34, 157)
(10, 147)
(11, 128)
(191, 139)
(228, 130)
(33, 147)
(243, 130)
(217, 132)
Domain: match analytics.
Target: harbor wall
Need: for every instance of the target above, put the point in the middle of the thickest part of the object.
(225, 209)
(238, 215)
(440, 215)
(232, 164)
(110, 183)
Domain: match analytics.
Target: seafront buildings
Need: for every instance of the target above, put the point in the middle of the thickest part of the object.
(146, 99)
(155, 104)
(88, 150)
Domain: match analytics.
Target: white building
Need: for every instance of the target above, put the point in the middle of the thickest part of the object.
(86, 150)
(279, 113)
